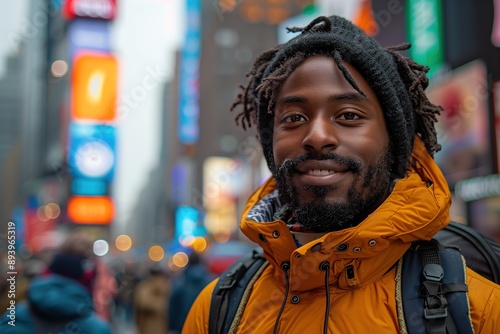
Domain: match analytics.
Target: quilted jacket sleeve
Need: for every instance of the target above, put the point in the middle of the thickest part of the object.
(484, 297)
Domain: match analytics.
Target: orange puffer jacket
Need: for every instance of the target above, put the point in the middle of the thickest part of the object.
(294, 300)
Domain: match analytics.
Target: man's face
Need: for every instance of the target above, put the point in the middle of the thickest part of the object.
(330, 146)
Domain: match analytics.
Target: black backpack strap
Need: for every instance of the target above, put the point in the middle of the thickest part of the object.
(434, 291)
(481, 252)
(229, 290)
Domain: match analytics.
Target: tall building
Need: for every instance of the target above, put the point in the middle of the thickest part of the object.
(28, 168)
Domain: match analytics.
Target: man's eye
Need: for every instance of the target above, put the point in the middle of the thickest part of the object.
(349, 116)
(293, 118)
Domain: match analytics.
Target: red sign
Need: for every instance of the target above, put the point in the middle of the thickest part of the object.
(39, 233)
(94, 9)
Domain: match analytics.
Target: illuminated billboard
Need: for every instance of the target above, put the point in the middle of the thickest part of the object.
(38, 229)
(225, 180)
(188, 223)
(91, 151)
(94, 87)
(86, 34)
(95, 9)
(91, 210)
(189, 76)
(463, 126)
(88, 186)
(424, 28)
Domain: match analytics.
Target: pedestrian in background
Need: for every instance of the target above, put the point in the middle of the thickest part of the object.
(126, 277)
(105, 291)
(60, 299)
(185, 289)
(150, 302)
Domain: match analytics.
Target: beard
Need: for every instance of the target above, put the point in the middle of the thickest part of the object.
(320, 216)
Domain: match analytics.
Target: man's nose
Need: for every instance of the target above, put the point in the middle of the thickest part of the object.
(322, 135)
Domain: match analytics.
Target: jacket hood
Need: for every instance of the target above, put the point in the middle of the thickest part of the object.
(417, 208)
(57, 297)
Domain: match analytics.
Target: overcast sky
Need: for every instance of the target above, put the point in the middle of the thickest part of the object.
(146, 34)
(13, 15)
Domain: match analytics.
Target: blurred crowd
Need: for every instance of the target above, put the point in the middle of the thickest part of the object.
(69, 289)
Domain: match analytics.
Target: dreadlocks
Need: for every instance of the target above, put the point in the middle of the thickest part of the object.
(398, 81)
(414, 75)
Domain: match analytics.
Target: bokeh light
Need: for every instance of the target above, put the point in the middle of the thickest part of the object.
(52, 211)
(123, 242)
(59, 68)
(180, 259)
(186, 241)
(156, 253)
(199, 244)
(101, 247)
(40, 213)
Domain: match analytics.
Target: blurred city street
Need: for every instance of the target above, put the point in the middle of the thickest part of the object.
(115, 123)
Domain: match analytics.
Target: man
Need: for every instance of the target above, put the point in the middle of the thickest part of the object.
(348, 134)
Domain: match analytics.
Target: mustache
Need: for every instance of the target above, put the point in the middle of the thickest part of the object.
(288, 166)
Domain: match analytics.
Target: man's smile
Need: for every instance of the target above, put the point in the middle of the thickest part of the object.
(320, 172)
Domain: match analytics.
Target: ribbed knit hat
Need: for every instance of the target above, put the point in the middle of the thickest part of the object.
(374, 63)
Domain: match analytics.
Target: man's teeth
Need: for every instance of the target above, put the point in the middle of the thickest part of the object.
(320, 172)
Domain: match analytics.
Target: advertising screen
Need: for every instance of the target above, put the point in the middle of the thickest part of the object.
(86, 34)
(91, 151)
(463, 126)
(95, 9)
(91, 210)
(189, 108)
(94, 87)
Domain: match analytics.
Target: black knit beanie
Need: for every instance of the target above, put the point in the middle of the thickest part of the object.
(378, 67)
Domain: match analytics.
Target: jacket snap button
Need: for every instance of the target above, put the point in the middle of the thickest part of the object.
(262, 237)
(356, 249)
(276, 234)
(295, 299)
(343, 247)
(372, 242)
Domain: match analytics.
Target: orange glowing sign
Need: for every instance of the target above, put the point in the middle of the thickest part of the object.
(94, 86)
(91, 209)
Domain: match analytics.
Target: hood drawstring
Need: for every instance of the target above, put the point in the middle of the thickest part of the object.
(325, 266)
(286, 267)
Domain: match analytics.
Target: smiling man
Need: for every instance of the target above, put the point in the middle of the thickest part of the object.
(348, 134)
(331, 146)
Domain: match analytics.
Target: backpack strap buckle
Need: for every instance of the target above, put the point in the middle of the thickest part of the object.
(433, 314)
(435, 303)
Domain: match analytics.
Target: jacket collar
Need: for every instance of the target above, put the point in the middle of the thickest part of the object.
(417, 208)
